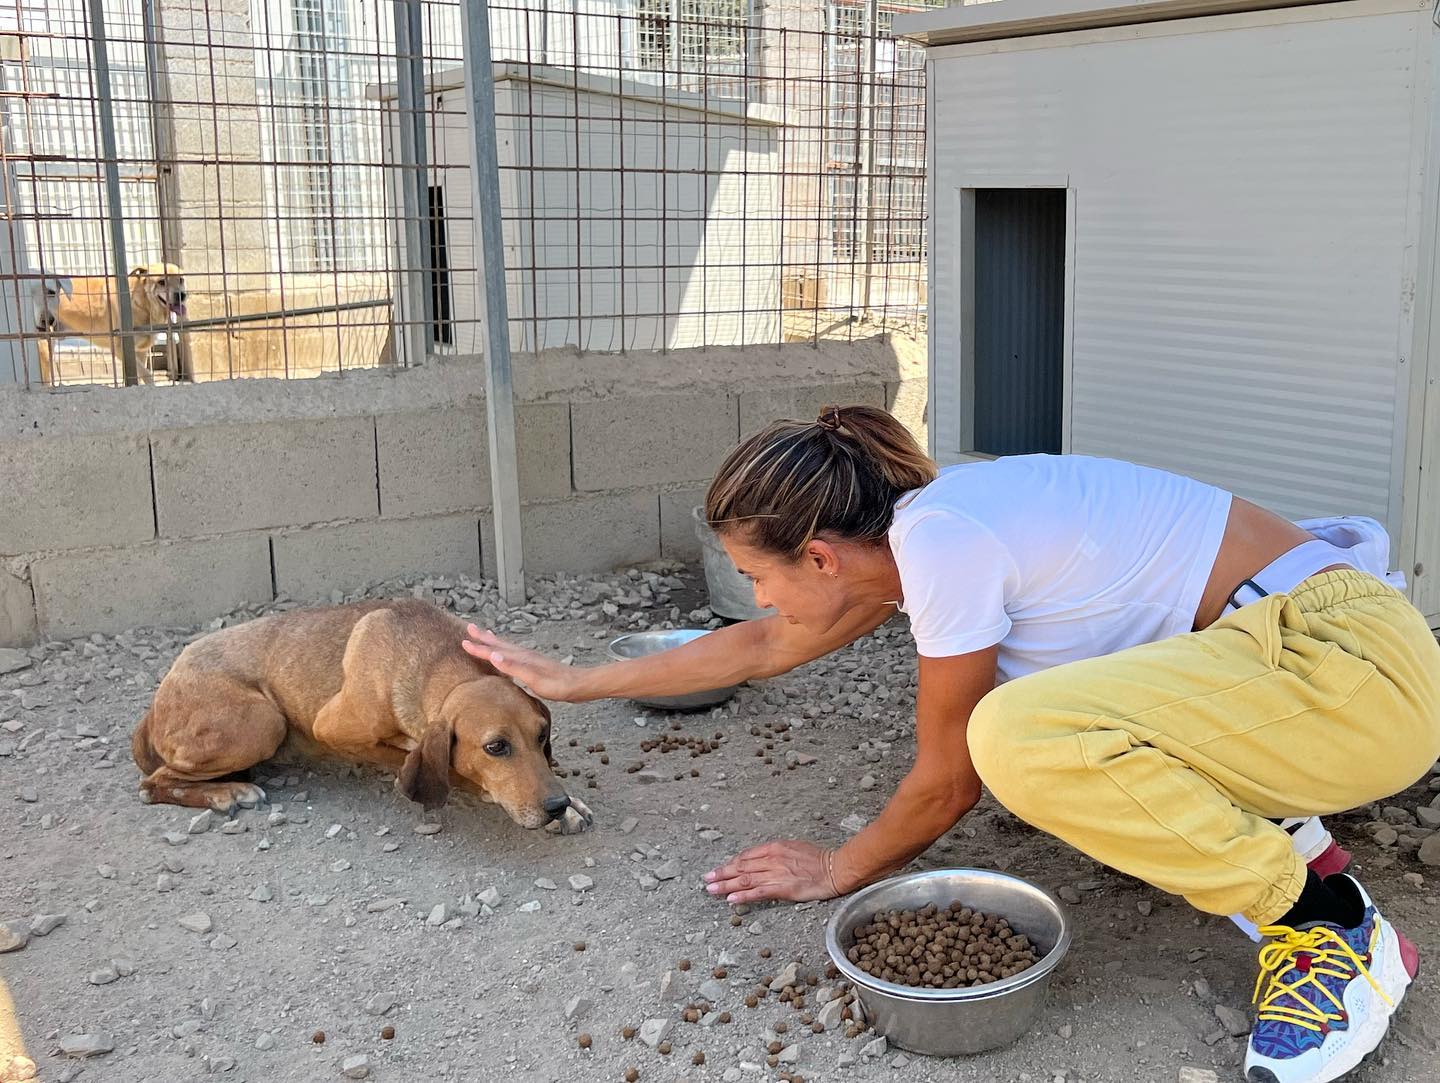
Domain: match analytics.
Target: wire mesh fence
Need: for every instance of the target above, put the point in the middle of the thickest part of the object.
(293, 181)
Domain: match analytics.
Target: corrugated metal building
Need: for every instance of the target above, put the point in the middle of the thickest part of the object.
(1199, 234)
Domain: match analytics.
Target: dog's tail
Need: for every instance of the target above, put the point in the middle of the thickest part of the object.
(141, 748)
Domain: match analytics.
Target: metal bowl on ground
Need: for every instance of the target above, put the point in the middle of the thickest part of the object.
(639, 644)
(949, 1022)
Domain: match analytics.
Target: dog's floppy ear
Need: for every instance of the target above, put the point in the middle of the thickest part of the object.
(545, 713)
(425, 774)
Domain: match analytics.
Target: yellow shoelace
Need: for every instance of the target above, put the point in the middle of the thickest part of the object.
(1329, 956)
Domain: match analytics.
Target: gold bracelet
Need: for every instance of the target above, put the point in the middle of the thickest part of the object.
(830, 873)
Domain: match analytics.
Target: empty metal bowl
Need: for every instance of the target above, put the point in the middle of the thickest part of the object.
(947, 1022)
(639, 644)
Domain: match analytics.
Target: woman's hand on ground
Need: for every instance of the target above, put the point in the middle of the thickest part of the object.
(545, 677)
(785, 869)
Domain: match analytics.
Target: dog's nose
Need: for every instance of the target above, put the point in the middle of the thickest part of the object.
(555, 806)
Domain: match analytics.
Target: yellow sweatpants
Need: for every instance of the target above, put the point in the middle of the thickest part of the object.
(1168, 761)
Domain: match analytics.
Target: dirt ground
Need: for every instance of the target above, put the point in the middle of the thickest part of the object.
(329, 913)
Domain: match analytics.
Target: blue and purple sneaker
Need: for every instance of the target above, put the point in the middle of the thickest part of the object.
(1325, 995)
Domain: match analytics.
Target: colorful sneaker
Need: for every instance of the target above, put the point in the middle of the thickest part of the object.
(1325, 995)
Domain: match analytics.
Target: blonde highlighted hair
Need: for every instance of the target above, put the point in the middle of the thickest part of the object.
(839, 475)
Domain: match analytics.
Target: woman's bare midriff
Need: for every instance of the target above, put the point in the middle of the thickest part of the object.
(1253, 538)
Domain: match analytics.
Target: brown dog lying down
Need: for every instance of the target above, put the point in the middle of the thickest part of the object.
(383, 683)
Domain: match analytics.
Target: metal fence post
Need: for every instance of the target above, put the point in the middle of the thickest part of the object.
(495, 326)
(415, 328)
(116, 213)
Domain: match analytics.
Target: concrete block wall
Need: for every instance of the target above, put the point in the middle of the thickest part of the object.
(172, 506)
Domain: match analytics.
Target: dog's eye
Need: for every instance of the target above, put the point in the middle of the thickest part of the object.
(498, 748)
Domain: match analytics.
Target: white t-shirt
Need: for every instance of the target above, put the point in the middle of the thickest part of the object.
(1054, 557)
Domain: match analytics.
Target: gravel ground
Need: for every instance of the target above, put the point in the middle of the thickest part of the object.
(184, 946)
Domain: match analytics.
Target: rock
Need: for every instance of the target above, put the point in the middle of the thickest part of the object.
(1385, 835)
(789, 976)
(1145, 906)
(848, 1060)
(1197, 1075)
(380, 1003)
(1068, 894)
(648, 777)
(265, 1041)
(1414, 879)
(1065, 1031)
(629, 824)
(529, 907)
(900, 1061)
(877, 1047)
(667, 871)
(712, 990)
(201, 824)
(732, 1075)
(578, 1007)
(262, 893)
(355, 1067)
(105, 872)
(165, 882)
(489, 897)
(14, 935)
(545, 884)
(103, 975)
(1430, 851)
(425, 829)
(655, 1031)
(1400, 817)
(45, 924)
(222, 1064)
(791, 1053)
(13, 661)
(1236, 1023)
(580, 882)
(868, 782)
(176, 838)
(854, 822)
(379, 906)
(223, 942)
(439, 914)
(86, 1045)
(1429, 817)
(234, 827)
(197, 922)
(829, 1015)
(333, 830)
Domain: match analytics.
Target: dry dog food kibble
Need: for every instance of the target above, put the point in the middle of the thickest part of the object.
(584, 1041)
(627, 1033)
(631, 1075)
(941, 947)
(387, 1033)
(318, 1037)
(698, 1058)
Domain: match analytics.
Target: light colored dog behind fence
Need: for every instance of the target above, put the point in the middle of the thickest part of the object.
(86, 308)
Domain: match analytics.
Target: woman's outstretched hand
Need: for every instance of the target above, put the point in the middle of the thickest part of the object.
(544, 676)
(789, 869)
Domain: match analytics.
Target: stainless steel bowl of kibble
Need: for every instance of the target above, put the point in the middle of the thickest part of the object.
(639, 644)
(950, 961)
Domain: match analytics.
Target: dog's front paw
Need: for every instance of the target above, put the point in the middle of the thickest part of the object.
(576, 818)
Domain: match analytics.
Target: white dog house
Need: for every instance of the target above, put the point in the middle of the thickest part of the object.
(1199, 234)
(637, 217)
